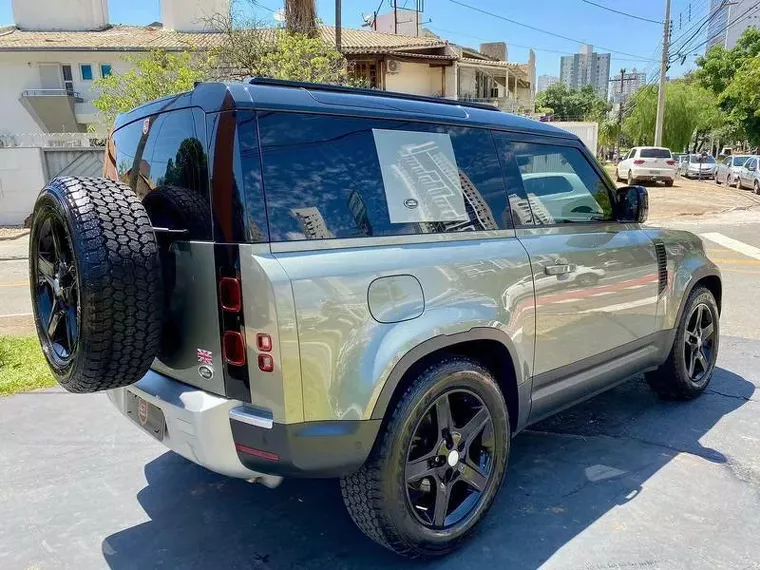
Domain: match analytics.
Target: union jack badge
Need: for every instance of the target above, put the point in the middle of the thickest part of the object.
(205, 356)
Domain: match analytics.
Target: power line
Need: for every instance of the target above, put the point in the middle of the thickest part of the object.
(436, 28)
(743, 16)
(683, 47)
(574, 40)
(622, 13)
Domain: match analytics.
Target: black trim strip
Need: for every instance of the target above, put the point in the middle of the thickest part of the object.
(237, 384)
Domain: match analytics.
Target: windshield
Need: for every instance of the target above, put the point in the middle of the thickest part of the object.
(706, 160)
(654, 153)
(739, 160)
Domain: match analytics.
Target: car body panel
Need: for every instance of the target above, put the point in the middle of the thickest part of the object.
(347, 356)
(749, 172)
(691, 167)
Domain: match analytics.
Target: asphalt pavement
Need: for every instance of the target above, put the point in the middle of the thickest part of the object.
(623, 481)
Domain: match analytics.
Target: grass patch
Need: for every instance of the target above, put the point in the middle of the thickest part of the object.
(22, 365)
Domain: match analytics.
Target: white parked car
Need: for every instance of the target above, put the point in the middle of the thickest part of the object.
(647, 163)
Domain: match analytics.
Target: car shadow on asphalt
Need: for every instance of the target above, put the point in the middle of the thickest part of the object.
(564, 474)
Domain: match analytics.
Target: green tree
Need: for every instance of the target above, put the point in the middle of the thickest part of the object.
(732, 75)
(690, 111)
(570, 104)
(152, 76)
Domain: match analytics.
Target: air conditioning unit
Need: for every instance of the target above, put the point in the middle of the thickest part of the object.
(391, 66)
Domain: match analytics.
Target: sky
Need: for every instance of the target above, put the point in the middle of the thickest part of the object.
(575, 19)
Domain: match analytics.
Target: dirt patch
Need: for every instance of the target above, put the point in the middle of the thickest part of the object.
(12, 233)
(21, 325)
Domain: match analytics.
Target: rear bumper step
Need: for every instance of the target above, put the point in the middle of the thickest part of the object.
(243, 441)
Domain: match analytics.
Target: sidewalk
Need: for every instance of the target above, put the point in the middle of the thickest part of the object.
(14, 244)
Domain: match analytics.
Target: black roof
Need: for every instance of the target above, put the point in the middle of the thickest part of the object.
(278, 95)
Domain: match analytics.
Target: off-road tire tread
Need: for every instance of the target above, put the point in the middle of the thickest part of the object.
(121, 295)
(361, 490)
(668, 381)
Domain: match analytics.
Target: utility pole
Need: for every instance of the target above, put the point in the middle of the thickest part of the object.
(620, 111)
(663, 71)
(337, 26)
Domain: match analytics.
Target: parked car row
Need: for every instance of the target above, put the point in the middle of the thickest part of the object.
(740, 171)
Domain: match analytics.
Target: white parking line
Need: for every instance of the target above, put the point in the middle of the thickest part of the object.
(735, 244)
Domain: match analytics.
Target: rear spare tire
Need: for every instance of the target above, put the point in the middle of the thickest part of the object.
(95, 279)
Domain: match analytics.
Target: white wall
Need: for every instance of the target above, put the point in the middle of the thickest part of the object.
(415, 78)
(60, 14)
(191, 15)
(20, 71)
(406, 22)
(21, 179)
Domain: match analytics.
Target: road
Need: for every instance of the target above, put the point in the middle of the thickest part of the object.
(624, 481)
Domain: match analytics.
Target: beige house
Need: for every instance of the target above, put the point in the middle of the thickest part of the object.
(48, 73)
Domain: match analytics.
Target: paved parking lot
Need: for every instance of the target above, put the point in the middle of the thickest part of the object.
(624, 481)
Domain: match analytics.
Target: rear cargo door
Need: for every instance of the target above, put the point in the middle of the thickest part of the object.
(163, 158)
(656, 159)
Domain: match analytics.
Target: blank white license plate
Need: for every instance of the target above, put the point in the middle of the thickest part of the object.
(654, 172)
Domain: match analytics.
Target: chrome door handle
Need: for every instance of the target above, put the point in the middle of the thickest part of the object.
(559, 269)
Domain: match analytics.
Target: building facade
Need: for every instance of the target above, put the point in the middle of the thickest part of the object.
(728, 20)
(586, 68)
(625, 85)
(545, 81)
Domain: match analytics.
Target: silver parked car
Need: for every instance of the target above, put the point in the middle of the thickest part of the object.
(279, 279)
(697, 166)
(728, 169)
(748, 176)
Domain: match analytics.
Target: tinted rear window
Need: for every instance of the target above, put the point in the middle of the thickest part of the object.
(341, 177)
(654, 153)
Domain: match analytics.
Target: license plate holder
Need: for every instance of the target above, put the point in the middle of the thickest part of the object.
(146, 415)
(654, 172)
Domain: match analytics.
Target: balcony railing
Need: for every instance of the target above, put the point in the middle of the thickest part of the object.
(52, 93)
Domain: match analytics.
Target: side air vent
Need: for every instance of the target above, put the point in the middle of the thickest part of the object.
(662, 267)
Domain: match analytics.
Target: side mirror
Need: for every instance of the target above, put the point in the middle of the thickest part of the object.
(633, 204)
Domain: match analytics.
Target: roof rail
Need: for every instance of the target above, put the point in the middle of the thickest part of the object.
(366, 91)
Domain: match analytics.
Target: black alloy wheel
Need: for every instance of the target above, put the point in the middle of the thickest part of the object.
(55, 288)
(450, 460)
(698, 343)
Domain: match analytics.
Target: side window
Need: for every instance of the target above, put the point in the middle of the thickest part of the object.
(163, 159)
(558, 183)
(340, 177)
(727, 161)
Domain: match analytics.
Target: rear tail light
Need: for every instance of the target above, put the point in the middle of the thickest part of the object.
(670, 162)
(266, 362)
(233, 348)
(230, 295)
(638, 161)
(264, 342)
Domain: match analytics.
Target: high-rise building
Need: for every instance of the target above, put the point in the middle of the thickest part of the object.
(312, 223)
(728, 20)
(586, 68)
(545, 81)
(631, 82)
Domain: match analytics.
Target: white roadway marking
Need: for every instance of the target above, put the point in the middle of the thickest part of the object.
(735, 244)
(622, 306)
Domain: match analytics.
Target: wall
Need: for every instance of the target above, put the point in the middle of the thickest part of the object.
(21, 179)
(415, 78)
(405, 24)
(191, 15)
(60, 14)
(20, 71)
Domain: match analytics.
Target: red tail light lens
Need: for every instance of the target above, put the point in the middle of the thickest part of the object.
(670, 162)
(264, 342)
(638, 161)
(266, 362)
(230, 295)
(233, 345)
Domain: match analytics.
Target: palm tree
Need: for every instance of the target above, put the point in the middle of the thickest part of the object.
(301, 17)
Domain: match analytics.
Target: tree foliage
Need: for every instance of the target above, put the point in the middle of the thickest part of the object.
(151, 76)
(571, 104)
(689, 109)
(734, 77)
